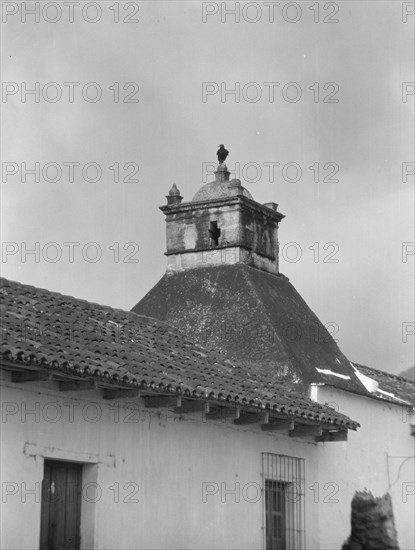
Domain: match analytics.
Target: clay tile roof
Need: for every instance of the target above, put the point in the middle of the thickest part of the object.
(72, 336)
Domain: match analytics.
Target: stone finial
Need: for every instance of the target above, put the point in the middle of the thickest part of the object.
(235, 187)
(174, 190)
(271, 205)
(174, 196)
(222, 173)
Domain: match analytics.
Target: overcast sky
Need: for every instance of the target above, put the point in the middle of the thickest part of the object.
(360, 126)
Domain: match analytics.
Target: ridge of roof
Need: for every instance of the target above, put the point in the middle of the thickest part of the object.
(74, 337)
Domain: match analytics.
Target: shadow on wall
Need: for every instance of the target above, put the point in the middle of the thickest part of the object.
(373, 523)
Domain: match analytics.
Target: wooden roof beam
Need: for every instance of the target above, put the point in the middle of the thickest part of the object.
(187, 407)
(77, 385)
(339, 435)
(303, 430)
(31, 376)
(252, 418)
(278, 425)
(162, 401)
(218, 412)
(119, 393)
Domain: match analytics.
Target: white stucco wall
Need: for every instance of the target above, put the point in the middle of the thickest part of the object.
(379, 456)
(159, 459)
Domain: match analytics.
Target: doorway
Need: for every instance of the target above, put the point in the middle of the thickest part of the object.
(61, 506)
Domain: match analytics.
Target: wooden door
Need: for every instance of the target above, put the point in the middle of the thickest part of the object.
(61, 506)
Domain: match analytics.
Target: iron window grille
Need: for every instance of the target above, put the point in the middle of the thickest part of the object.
(284, 509)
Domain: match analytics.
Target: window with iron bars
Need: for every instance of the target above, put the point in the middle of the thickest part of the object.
(284, 483)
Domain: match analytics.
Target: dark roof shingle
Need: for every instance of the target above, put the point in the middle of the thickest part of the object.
(257, 318)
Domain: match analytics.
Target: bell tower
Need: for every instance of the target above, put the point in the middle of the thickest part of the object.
(223, 289)
(221, 225)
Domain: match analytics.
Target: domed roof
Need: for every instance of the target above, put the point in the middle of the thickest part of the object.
(217, 190)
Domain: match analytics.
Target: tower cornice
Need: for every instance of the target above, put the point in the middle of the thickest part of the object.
(249, 204)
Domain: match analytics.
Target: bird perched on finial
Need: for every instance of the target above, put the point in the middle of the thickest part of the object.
(222, 153)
